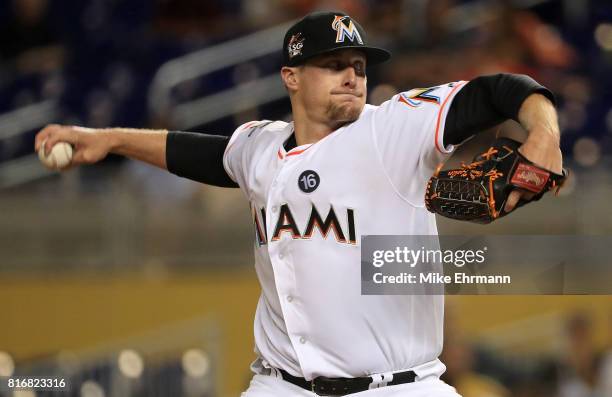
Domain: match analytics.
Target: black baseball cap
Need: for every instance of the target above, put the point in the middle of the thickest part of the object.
(322, 32)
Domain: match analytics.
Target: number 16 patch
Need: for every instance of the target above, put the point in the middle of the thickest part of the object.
(308, 181)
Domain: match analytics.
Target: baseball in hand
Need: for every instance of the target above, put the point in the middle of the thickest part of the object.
(59, 157)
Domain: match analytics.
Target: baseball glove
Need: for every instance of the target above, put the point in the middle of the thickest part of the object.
(477, 192)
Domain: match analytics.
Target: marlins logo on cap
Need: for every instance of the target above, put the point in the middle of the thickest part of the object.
(345, 31)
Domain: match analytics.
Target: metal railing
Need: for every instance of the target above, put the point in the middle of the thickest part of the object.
(204, 62)
(266, 89)
(13, 125)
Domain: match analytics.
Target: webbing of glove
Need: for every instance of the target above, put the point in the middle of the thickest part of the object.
(459, 199)
(477, 192)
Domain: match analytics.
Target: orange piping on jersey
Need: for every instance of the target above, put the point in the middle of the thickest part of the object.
(298, 151)
(249, 125)
(442, 110)
(403, 100)
(280, 153)
(291, 153)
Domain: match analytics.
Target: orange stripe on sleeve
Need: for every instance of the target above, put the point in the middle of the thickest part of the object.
(442, 111)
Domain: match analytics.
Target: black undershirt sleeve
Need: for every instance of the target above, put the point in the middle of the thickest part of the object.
(198, 157)
(487, 101)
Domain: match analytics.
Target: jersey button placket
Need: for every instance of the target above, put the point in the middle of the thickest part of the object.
(280, 258)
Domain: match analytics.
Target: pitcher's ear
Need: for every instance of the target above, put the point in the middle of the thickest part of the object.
(290, 77)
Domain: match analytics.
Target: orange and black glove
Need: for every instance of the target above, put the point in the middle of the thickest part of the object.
(478, 191)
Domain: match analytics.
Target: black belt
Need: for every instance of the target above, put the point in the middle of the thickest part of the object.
(342, 386)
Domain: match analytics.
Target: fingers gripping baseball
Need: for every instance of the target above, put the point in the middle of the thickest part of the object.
(90, 145)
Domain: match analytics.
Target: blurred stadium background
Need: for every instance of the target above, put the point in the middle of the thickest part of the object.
(132, 282)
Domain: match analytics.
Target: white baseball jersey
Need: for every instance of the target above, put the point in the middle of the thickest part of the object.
(310, 206)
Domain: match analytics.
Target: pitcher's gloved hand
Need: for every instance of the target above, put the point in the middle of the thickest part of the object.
(478, 191)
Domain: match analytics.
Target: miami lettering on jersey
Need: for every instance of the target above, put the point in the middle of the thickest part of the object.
(345, 31)
(286, 223)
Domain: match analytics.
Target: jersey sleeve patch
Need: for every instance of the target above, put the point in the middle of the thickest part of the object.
(415, 97)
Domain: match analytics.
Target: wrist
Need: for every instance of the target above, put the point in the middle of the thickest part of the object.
(112, 137)
(544, 136)
(539, 117)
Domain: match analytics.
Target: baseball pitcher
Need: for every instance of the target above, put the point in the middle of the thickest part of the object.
(342, 169)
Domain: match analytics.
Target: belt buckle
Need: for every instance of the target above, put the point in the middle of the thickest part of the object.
(334, 390)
